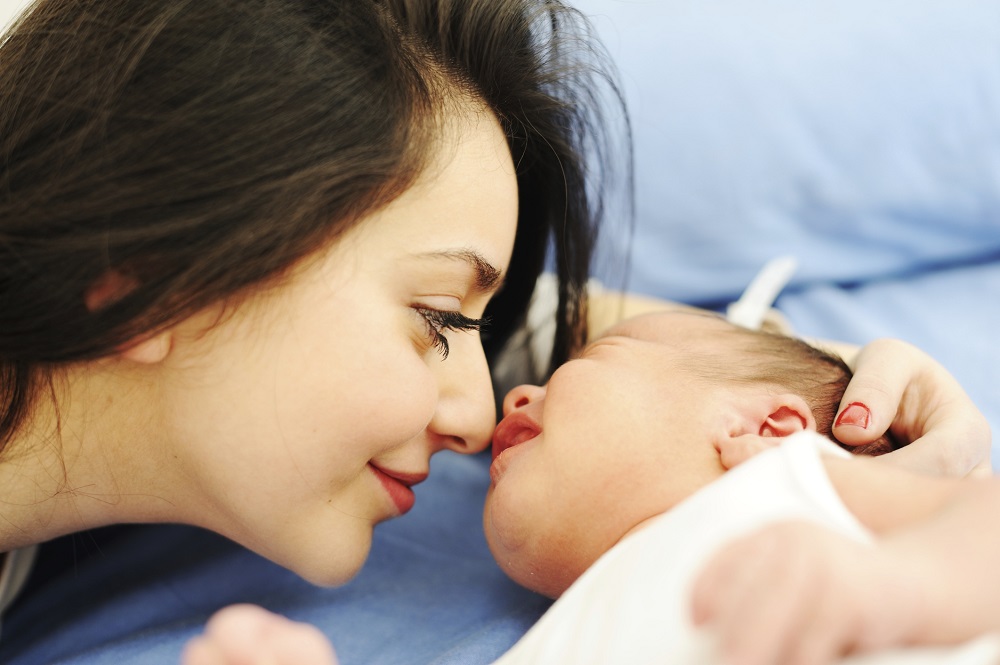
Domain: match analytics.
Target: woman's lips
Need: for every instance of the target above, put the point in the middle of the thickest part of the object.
(397, 485)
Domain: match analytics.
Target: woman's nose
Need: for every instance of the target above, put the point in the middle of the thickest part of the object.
(466, 411)
(522, 395)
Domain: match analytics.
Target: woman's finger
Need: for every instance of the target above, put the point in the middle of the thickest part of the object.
(896, 386)
(882, 371)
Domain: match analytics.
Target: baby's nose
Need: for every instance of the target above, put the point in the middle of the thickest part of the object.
(521, 396)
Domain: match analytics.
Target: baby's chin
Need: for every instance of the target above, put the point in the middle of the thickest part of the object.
(525, 559)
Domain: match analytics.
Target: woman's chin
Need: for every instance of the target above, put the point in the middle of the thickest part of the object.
(329, 577)
(325, 565)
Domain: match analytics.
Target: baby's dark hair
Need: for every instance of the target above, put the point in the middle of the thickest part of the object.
(201, 148)
(818, 376)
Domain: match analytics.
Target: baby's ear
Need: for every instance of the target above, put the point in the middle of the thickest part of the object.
(787, 415)
(778, 417)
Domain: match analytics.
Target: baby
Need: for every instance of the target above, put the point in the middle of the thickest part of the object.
(610, 491)
(655, 409)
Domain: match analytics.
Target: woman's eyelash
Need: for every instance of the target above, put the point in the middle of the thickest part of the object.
(438, 321)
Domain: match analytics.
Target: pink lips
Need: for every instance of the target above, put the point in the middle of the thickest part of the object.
(397, 485)
(517, 427)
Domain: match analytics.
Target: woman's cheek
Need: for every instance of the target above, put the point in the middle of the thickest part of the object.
(416, 400)
(396, 404)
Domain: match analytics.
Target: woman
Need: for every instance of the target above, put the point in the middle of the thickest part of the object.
(204, 223)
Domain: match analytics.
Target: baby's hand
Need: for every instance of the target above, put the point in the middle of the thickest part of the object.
(797, 593)
(250, 635)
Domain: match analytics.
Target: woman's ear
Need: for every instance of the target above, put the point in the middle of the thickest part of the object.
(787, 415)
(149, 350)
(108, 289)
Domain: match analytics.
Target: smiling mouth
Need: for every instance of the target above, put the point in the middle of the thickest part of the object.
(398, 485)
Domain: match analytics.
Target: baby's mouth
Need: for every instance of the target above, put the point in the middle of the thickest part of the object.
(514, 429)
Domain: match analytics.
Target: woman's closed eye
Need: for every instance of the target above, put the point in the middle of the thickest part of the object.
(438, 321)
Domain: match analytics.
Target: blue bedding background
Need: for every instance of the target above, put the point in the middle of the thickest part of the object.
(862, 138)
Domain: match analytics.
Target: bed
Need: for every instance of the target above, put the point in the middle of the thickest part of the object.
(862, 139)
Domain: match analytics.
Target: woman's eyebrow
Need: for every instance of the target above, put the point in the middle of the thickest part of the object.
(488, 276)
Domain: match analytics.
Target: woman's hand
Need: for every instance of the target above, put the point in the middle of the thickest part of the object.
(798, 593)
(250, 635)
(897, 387)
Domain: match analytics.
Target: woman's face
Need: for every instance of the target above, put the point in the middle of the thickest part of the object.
(618, 435)
(302, 419)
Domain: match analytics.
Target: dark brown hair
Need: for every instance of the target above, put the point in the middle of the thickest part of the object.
(202, 147)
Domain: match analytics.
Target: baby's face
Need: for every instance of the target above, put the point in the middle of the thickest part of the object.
(618, 435)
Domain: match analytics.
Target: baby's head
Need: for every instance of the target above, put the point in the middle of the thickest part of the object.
(634, 425)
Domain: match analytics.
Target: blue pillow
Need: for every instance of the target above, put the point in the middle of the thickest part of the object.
(862, 138)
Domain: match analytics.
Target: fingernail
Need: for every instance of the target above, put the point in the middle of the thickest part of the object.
(856, 414)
